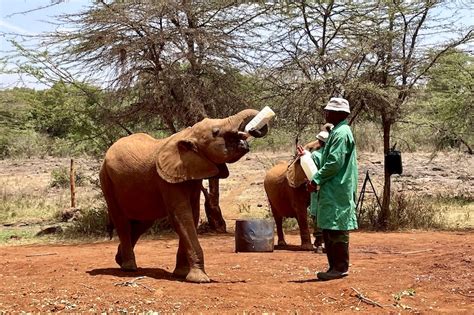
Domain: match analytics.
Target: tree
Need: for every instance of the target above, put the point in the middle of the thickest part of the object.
(448, 100)
(174, 62)
(377, 55)
(397, 57)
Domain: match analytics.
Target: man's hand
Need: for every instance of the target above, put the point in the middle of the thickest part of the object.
(300, 150)
(327, 127)
(311, 186)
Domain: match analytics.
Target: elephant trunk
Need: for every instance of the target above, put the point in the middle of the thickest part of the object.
(241, 119)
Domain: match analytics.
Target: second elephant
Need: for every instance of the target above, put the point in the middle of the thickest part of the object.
(286, 191)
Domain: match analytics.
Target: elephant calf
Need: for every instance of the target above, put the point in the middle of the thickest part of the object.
(286, 191)
(144, 179)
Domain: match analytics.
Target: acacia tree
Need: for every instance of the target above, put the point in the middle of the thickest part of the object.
(376, 54)
(309, 59)
(398, 55)
(447, 98)
(174, 61)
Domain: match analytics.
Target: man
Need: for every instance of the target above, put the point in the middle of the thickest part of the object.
(313, 209)
(337, 179)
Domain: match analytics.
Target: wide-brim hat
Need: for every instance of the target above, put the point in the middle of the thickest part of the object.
(338, 104)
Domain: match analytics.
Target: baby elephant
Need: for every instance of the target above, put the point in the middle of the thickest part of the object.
(286, 191)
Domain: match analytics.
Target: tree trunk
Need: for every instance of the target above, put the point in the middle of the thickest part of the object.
(211, 205)
(385, 212)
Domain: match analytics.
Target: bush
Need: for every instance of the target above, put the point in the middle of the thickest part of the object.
(92, 223)
(60, 177)
(406, 212)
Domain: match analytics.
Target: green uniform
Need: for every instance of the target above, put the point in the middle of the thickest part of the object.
(313, 209)
(337, 179)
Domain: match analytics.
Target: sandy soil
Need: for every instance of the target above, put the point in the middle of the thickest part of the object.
(435, 267)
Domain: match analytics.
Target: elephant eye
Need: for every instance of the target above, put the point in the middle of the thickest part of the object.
(215, 131)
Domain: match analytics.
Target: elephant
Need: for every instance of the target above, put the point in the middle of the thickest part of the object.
(285, 187)
(144, 179)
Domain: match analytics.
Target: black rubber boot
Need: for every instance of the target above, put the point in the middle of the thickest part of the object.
(328, 250)
(340, 254)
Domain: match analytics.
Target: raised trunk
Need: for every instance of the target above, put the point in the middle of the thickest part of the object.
(211, 205)
(385, 212)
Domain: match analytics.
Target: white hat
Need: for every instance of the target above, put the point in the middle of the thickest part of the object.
(338, 104)
(323, 136)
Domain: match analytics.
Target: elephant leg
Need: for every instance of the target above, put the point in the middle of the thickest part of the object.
(180, 211)
(279, 226)
(182, 265)
(302, 219)
(125, 256)
(138, 228)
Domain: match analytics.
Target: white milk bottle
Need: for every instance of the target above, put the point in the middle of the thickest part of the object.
(308, 165)
(260, 119)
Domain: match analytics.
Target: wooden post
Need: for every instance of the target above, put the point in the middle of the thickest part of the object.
(72, 182)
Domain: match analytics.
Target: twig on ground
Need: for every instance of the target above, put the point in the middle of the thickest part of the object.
(364, 299)
(134, 283)
(46, 254)
(413, 252)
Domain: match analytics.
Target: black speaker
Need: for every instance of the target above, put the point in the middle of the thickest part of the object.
(393, 162)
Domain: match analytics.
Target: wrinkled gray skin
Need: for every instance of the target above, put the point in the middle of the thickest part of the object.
(144, 179)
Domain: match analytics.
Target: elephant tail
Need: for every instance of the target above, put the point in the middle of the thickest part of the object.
(110, 227)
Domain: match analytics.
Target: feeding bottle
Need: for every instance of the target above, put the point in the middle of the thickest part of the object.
(260, 119)
(308, 165)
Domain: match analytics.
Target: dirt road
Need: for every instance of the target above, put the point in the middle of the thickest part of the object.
(429, 271)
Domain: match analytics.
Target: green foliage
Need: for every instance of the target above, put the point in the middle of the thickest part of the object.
(448, 105)
(407, 212)
(92, 223)
(60, 177)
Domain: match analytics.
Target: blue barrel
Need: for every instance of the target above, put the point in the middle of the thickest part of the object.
(254, 235)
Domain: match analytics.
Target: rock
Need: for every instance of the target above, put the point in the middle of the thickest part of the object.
(70, 214)
(50, 230)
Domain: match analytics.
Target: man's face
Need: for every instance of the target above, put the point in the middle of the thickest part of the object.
(329, 116)
(335, 117)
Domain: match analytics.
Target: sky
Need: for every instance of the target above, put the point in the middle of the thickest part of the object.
(12, 20)
(15, 19)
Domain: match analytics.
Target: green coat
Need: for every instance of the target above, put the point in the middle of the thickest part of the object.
(313, 208)
(337, 179)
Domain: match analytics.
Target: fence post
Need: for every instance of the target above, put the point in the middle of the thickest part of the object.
(72, 182)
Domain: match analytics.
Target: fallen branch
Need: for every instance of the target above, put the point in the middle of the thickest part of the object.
(134, 283)
(364, 299)
(46, 254)
(87, 286)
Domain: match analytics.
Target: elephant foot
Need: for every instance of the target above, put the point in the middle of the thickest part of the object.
(130, 265)
(118, 259)
(307, 246)
(197, 276)
(181, 272)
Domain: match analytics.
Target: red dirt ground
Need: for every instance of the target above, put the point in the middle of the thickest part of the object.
(438, 266)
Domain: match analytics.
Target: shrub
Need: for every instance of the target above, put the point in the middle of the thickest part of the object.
(60, 177)
(406, 212)
(92, 223)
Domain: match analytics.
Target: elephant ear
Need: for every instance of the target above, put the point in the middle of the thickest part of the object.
(295, 174)
(179, 160)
